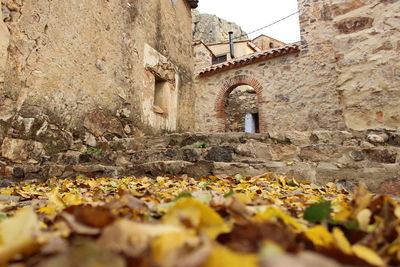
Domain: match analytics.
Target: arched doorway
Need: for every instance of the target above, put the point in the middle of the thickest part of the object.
(241, 110)
(222, 102)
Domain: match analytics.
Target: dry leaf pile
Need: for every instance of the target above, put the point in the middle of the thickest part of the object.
(241, 221)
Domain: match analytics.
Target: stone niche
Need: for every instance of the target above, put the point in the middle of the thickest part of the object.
(160, 94)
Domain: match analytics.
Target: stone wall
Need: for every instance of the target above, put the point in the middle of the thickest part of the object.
(295, 94)
(203, 56)
(77, 72)
(368, 50)
(346, 75)
(349, 158)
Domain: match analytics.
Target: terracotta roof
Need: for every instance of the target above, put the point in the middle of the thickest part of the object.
(193, 3)
(250, 59)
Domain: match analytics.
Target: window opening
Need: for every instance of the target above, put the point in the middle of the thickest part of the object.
(161, 95)
(220, 59)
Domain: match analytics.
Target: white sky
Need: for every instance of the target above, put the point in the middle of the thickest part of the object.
(254, 14)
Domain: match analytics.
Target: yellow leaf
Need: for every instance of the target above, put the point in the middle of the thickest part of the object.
(134, 238)
(50, 211)
(368, 255)
(55, 200)
(342, 212)
(282, 180)
(272, 213)
(223, 257)
(71, 199)
(164, 246)
(245, 199)
(8, 191)
(319, 236)
(341, 241)
(18, 234)
(191, 213)
(362, 198)
(363, 218)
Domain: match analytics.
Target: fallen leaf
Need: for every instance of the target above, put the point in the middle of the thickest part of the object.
(368, 255)
(221, 256)
(318, 212)
(18, 234)
(319, 236)
(193, 214)
(341, 241)
(363, 219)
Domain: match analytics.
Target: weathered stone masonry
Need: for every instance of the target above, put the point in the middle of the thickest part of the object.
(69, 69)
(79, 88)
(76, 74)
(345, 75)
(228, 87)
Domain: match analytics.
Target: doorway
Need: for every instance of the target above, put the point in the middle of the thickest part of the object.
(241, 110)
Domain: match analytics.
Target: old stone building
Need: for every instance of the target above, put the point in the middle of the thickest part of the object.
(342, 79)
(93, 70)
(242, 101)
(342, 75)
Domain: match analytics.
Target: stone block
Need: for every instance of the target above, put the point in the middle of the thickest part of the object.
(91, 168)
(378, 138)
(18, 150)
(266, 152)
(6, 171)
(394, 139)
(18, 172)
(330, 137)
(322, 152)
(390, 187)
(190, 155)
(253, 149)
(135, 144)
(99, 122)
(163, 167)
(6, 183)
(382, 155)
(56, 171)
(340, 7)
(351, 25)
(220, 154)
(357, 155)
(298, 138)
(233, 168)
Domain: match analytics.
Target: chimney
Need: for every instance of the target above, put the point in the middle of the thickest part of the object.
(231, 45)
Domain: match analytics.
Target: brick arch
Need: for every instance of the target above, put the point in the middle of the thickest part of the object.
(223, 94)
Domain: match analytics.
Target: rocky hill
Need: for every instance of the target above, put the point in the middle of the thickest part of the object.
(212, 29)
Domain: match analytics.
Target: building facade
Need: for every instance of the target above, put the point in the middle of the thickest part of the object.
(343, 75)
(89, 71)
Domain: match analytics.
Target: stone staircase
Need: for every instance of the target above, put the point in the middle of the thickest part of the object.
(371, 158)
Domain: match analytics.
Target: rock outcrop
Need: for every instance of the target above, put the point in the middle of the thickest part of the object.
(212, 29)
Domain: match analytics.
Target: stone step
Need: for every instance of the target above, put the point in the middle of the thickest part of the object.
(319, 156)
(322, 172)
